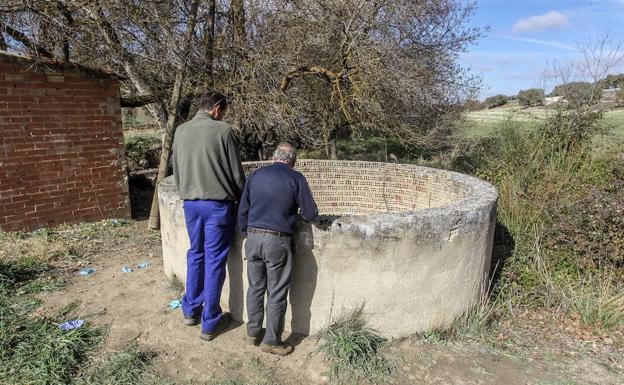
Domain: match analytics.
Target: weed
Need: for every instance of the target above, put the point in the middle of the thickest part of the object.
(176, 285)
(352, 348)
(131, 366)
(35, 350)
(596, 301)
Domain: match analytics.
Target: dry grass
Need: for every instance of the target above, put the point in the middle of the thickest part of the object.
(597, 301)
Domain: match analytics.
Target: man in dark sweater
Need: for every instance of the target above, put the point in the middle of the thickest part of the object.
(267, 216)
(209, 177)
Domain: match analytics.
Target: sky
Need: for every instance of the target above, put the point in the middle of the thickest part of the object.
(525, 35)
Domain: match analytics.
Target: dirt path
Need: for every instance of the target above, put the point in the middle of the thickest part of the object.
(134, 306)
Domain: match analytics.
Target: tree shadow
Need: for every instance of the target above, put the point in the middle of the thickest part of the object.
(503, 248)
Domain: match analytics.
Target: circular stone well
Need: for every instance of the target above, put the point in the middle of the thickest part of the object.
(411, 243)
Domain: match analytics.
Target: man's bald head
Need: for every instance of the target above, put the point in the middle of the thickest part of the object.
(285, 153)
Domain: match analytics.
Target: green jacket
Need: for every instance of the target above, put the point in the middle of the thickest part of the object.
(206, 160)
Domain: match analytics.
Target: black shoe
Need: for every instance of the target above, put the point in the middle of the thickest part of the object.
(191, 320)
(222, 325)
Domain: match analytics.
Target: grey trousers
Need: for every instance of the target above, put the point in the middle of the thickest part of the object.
(269, 265)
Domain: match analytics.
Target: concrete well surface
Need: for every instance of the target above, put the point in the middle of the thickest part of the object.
(412, 243)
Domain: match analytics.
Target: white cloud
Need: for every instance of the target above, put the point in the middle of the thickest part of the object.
(551, 43)
(552, 19)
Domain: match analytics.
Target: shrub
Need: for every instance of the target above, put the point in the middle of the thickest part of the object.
(473, 105)
(567, 133)
(588, 222)
(612, 81)
(496, 101)
(531, 97)
(142, 151)
(579, 94)
(562, 207)
(619, 96)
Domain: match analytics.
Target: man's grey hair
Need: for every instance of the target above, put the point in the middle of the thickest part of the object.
(285, 152)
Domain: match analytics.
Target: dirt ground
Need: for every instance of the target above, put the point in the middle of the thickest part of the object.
(134, 306)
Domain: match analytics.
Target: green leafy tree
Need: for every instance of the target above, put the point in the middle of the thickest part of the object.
(579, 93)
(531, 97)
(496, 101)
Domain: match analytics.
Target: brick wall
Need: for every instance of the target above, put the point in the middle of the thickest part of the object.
(61, 147)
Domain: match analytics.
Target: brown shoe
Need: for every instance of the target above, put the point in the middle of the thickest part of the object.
(280, 350)
(252, 340)
(222, 325)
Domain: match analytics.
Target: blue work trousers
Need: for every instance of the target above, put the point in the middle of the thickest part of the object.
(210, 226)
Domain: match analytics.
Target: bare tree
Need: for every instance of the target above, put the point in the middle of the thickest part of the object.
(311, 72)
(599, 56)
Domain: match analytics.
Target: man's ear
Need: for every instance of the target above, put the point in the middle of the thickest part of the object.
(214, 111)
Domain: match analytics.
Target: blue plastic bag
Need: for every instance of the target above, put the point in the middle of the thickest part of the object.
(87, 271)
(176, 303)
(126, 269)
(71, 325)
(143, 265)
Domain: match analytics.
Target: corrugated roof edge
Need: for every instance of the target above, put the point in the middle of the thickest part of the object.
(47, 65)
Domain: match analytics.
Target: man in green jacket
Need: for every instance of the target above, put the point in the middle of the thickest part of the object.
(210, 179)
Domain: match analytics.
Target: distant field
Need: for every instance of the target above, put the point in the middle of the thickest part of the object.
(483, 123)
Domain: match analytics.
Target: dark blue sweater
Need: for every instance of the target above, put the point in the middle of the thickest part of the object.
(271, 198)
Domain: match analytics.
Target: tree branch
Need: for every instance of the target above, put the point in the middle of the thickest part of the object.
(328, 75)
(138, 101)
(27, 42)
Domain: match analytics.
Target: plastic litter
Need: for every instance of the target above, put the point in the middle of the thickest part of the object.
(87, 271)
(143, 265)
(71, 325)
(176, 303)
(126, 269)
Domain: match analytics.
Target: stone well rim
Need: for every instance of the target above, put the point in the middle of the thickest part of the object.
(482, 191)
(481, 196)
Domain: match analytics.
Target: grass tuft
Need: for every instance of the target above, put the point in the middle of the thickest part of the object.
(34, 350)
(596, 303)
(176, 285)
(352, 348)
(131, 366)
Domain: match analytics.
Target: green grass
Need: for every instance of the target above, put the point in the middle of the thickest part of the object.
(33, 349)
(352, 349)
(556, 199)
(486, 122)
(598, 302)
(131, 366)
(613, 122)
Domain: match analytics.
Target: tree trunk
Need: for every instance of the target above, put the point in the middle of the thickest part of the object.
(330, 149)
(209, 33)
(3, 44)
(330, 145)
(70, 23)
(238, 22)
(174, 105)
(165, 154)
(156, 109)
